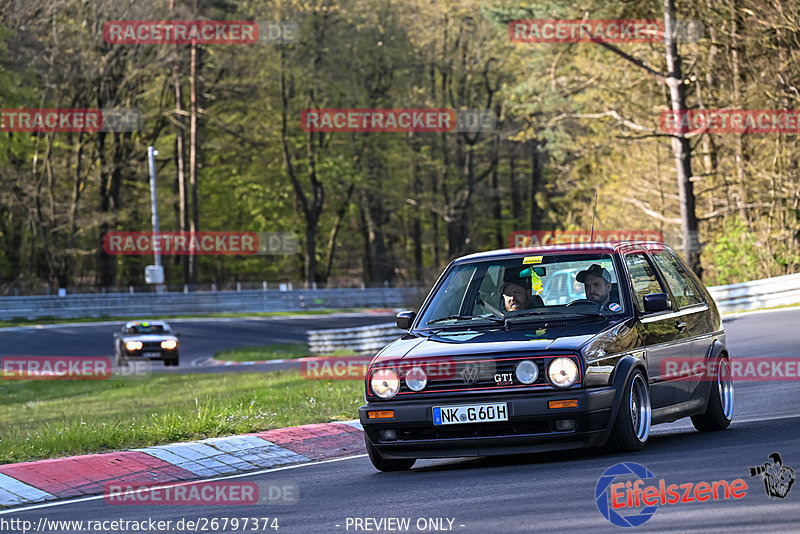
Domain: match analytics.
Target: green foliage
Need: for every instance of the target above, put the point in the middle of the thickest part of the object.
(735, 253)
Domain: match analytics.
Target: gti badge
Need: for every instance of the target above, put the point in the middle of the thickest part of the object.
(504, 379)
(470, 374)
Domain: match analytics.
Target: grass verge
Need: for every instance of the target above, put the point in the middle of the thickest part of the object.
(49, 419)
(268, 352)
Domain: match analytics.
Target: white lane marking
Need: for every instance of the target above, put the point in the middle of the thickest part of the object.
(178, 483)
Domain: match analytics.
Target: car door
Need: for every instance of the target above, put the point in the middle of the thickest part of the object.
(692, 309)
(663, 339)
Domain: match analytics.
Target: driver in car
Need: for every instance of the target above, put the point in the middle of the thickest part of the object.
(517, 296)
(597, 285)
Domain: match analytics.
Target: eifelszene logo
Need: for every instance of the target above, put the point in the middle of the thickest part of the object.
(778, 478)
(614, 497)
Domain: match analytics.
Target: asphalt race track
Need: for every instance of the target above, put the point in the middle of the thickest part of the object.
(200, 338)
(552, 492)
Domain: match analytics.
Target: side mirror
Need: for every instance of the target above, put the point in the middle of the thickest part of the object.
(656, 302)
(405, 318)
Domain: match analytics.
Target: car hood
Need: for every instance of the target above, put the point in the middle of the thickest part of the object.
(488, 342)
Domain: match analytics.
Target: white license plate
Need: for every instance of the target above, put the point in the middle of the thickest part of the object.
(151, 354)
(473, 413)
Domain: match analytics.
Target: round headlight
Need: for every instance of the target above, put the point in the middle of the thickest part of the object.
(385, 383)
(416, 379)
(527, 372)
(133, 345)
(562, 372)
(169, 344)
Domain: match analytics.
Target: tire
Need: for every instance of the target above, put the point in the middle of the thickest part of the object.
(121, 360)
(719, 411)
(632, 426)
(386, 465)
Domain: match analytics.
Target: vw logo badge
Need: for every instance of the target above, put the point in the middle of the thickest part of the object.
(470, 374)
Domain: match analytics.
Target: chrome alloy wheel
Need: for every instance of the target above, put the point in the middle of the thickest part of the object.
(640, 408)
(725, 388)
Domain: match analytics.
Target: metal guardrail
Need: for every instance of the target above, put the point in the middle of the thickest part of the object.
(165, 304)
(360, 340)
(777, 291)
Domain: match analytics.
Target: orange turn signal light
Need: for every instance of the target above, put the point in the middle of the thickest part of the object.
(569, 403)
(382, 414)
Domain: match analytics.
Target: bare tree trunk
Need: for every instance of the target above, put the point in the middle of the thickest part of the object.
(680, 145)
(180, 153)
(536, 181)
(497, 208)
(516, 198)
(737, 95)
(195, 222)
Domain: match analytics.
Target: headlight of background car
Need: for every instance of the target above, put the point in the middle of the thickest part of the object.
(527, 372)
(562, 372)
(416, 379)
(169, 344)
(385, 383)
(133, 345)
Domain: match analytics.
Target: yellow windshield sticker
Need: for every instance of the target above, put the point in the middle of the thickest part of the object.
(531, 259)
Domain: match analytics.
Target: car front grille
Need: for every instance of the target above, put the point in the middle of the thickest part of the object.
(446, 375)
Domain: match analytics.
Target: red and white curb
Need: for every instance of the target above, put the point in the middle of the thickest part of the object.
(76, 476)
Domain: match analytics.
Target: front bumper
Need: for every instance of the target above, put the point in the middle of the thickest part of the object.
(531, 425)
(152, 354)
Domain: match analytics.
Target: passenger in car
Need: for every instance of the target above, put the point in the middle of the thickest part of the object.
(597, 284)
(517, 296)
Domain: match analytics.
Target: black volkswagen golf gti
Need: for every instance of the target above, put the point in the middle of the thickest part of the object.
(500, 361)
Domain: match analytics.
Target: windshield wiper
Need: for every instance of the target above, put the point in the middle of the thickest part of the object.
(459, 317)
(528, 314)
(556, 315)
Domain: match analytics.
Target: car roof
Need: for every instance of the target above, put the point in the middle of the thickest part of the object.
(609, 247)
(136, 323)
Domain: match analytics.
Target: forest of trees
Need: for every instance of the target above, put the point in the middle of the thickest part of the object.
(573, 121)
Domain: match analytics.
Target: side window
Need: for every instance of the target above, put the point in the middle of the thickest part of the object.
(488, 291)
(642, 277)
(678, 280)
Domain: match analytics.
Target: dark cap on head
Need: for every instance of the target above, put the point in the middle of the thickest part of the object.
(520, 282)
(595, 270)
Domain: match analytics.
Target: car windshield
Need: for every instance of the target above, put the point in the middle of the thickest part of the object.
(147, 328)
(526, 288)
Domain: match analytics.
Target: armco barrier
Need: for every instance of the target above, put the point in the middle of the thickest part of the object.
(360, 340)
(165, 304)
(777, 291)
